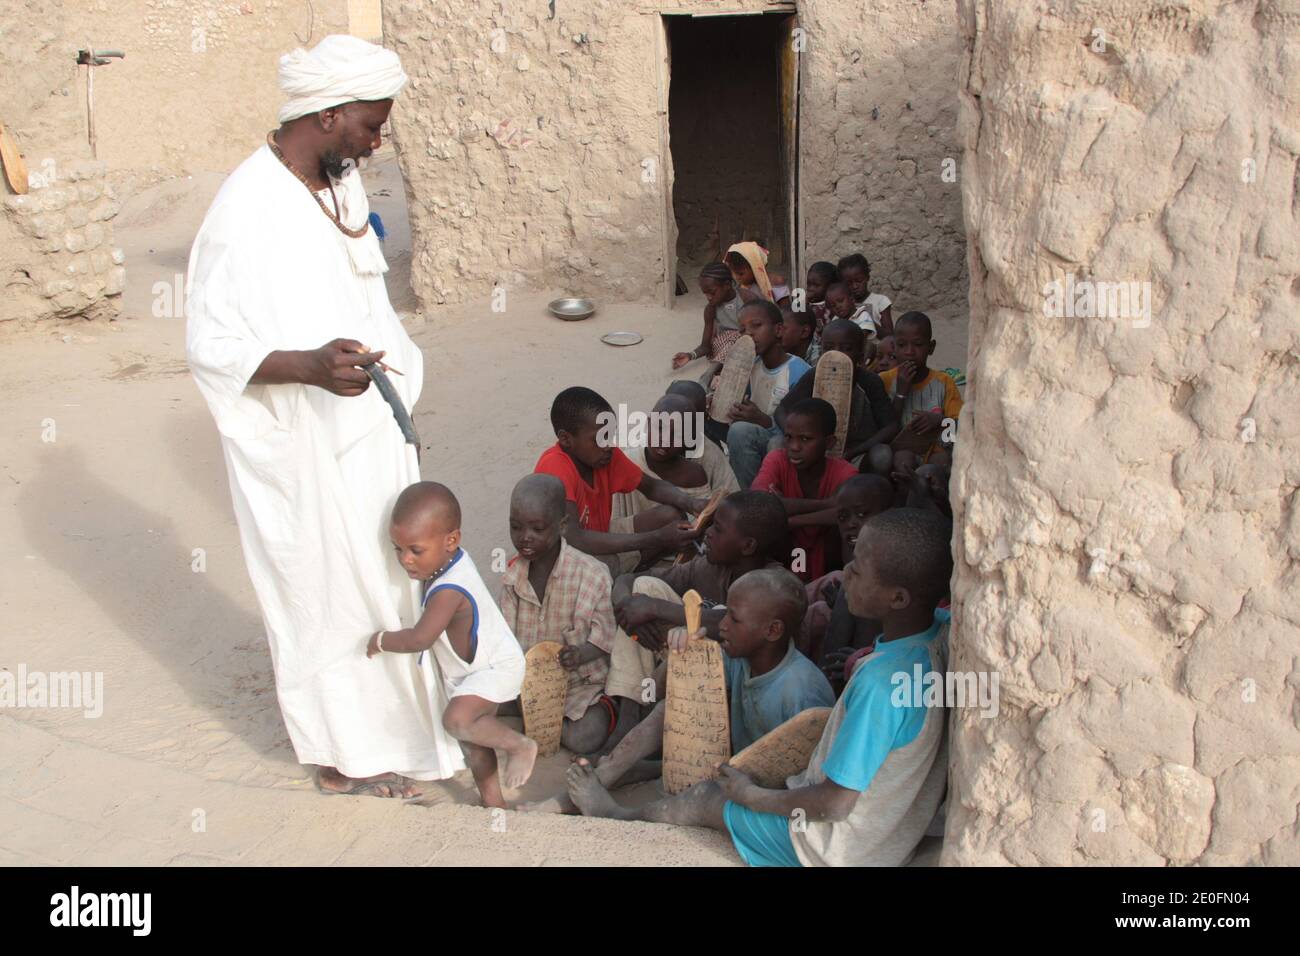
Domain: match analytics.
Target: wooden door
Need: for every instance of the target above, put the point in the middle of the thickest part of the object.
(663, 59)
(788, 144)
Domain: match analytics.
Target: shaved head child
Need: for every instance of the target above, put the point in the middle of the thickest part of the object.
(804, 479)
(593, 469)
(752, 432)
(870, 309)
(553, 592)
(872, 421)
(768, 680)
(698, 396)
(878, 774)
(922, 397)
(699, 471)
(747, 531)
(857, 501)
(692, 391)
(478, 657)
(820, 277)
(722, 304)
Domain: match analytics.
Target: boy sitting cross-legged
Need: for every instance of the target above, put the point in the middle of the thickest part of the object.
(751, 431)
(699, 471)
(841, 634)
(878, 774)
(872, 422)
(748, 532)
(768, 680)
(748, 529)
(593, 470)
(922, 397)
(551, 591)
(804, 479)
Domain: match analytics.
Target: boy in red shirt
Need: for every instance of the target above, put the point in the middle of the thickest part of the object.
(593, 473)
(805, 480)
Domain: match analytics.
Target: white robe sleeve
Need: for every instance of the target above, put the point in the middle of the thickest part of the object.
(222, 346)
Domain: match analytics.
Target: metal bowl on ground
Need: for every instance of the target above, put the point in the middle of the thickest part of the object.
(571, 309)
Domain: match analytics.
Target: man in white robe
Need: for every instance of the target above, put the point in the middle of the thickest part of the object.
(283, 307)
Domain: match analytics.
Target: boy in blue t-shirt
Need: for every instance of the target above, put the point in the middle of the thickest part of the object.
(878, 775)
(768, 679)
(753, 432)
(768, 682)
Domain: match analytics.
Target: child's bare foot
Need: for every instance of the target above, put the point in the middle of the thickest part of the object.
(590, 795)
(519, 763)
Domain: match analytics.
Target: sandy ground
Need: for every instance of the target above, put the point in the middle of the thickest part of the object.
(190, 762)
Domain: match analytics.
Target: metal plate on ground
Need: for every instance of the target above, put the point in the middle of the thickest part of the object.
(621, 338)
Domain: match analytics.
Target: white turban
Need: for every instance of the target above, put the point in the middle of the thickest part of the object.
(340, 69)
(343, 69)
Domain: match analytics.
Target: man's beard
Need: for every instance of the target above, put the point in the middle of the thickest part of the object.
(334, 165)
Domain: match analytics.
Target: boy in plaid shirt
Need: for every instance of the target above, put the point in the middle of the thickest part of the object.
(551, 591)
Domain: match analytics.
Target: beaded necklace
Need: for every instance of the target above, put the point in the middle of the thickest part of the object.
(332, 216)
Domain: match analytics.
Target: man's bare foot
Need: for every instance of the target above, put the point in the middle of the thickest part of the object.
(519, 763)
(557, 804)
(590, 795)
(329, 781)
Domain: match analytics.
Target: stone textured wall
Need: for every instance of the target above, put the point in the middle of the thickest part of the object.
(1125, 492)
(878, 120)
(523, 149)
(56, 242)
(61, 261)
(197, 90)
(366, 19)
(521, 139)
(38, 101)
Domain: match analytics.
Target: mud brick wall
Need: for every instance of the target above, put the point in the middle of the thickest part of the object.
(881, 156)
(1126, 490)
(523, 140)
(523, 160)
(65, 226)
(208, 71)
(56, 244)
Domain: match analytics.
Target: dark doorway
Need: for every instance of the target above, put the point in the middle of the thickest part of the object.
(732, 106)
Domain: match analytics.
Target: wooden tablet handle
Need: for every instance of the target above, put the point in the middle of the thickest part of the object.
(692, 600)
